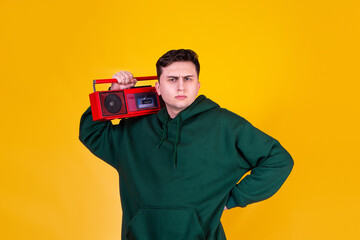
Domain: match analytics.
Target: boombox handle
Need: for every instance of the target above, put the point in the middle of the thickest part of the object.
(113, 80)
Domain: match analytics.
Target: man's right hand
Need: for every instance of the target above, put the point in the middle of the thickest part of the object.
(125, 80)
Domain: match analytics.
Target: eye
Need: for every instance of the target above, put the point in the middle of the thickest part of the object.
(172, 79)
(187, 78)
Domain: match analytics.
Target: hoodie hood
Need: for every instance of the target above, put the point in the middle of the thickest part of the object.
(200, 105)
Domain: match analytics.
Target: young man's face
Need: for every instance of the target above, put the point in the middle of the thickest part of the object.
(178, 85)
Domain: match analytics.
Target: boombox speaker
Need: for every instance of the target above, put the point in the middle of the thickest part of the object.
(126, 103)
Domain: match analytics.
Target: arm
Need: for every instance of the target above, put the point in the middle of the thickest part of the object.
(102, 138)
(269, 162)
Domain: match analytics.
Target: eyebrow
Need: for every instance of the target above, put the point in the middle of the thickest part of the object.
(176, 77)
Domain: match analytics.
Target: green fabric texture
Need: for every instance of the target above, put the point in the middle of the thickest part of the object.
(176, 175)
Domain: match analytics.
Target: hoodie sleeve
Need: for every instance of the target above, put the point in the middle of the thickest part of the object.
(270, 164)
(100, 137)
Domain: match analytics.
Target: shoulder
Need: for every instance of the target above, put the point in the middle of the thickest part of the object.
(229, 117)
(222, 115)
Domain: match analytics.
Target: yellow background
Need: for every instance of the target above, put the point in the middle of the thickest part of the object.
(290, 67)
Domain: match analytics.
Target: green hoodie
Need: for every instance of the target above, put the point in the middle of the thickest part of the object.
(176, 175)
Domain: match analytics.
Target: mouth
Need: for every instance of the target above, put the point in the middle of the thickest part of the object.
(180, 97)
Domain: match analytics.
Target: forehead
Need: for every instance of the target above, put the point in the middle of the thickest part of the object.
(179, 68)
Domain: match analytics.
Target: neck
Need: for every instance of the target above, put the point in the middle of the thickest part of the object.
(172, 113)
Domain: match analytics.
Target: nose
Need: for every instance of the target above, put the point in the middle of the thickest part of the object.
(180, 85)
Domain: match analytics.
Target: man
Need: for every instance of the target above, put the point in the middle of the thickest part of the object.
(178, 169)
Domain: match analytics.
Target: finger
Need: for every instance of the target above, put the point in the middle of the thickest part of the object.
(118, 77)
(128, 75)
(129, 78)
(122, 77)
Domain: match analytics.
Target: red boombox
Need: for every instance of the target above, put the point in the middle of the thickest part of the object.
(125, 103)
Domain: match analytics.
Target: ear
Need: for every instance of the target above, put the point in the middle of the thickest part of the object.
(157, 87)
(199, 85)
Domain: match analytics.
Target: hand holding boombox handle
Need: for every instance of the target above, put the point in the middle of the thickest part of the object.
(113, 80)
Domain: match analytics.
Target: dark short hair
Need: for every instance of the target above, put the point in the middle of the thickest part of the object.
(180, 55)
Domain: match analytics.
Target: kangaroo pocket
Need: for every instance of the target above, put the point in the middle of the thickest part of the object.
(152, 223)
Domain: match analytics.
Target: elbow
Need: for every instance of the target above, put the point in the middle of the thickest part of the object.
(288, 163)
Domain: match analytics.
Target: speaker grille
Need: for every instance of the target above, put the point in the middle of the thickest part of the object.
(112, 103)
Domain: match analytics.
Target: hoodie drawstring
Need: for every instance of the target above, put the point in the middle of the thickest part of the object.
(177, 138)
(164, 131)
